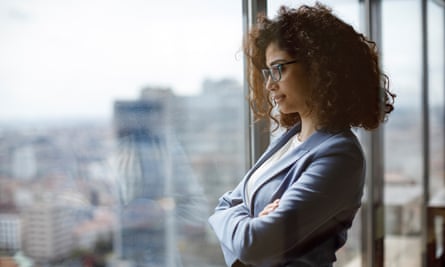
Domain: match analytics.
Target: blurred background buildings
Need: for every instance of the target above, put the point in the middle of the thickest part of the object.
(144, 183)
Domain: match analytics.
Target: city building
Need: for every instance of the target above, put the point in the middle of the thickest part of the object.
(47, 235)
(10, 232)
(24, 165)
(158, 191)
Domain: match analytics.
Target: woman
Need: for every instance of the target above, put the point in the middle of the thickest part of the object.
(294, 207)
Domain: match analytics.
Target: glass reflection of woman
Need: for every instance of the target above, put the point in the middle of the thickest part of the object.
(317, 78)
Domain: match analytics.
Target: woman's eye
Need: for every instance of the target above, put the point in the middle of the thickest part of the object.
(276, 67)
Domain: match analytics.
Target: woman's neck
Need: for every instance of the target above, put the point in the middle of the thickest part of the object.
(308, 127)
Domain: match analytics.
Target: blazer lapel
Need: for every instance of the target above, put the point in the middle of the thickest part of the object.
(274, 147)
(313, 141)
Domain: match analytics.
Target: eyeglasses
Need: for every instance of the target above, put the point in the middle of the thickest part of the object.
(275, 71)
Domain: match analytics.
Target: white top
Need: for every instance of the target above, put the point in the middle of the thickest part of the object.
(286, 148)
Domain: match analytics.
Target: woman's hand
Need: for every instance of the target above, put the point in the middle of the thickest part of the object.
(269, 208)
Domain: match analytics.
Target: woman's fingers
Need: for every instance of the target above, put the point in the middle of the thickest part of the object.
(269, 208)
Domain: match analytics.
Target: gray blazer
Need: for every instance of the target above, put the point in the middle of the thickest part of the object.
(320, 186)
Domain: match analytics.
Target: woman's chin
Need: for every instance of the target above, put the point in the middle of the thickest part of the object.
(285, 111)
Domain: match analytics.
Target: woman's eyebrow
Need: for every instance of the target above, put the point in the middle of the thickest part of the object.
(276, 61)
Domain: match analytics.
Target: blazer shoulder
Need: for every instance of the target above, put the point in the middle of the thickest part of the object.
(344, 144)
(344, 139)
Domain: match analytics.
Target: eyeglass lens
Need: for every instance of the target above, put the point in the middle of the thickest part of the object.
(274, 72)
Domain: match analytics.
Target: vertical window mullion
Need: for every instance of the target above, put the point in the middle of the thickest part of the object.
(425, 127)
(256, 135)
(373, 215)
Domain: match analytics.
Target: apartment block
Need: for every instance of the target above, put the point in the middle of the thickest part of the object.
(10, 232)
(47, 232)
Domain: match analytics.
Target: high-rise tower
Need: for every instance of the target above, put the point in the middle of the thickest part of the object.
(156, 186)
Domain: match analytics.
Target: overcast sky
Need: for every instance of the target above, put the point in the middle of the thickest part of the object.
(61, 57)
(74, 58)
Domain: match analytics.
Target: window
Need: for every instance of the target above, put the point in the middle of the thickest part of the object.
(122, 121)
(436, 93)
(403, 187)
(436, 83)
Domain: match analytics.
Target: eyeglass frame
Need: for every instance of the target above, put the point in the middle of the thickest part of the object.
(268, 72)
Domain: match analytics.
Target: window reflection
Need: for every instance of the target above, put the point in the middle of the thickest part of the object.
(122, 125)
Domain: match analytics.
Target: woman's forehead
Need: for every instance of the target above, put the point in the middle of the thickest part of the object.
(273, 53)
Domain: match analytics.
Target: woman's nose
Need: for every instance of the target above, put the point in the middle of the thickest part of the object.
(270, 84)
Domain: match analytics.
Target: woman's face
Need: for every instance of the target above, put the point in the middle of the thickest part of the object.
(290, 92)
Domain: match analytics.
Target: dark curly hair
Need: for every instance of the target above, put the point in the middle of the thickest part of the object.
(348, 86)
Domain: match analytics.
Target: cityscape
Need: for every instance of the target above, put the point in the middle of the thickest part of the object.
(133, 191)
(137, 190)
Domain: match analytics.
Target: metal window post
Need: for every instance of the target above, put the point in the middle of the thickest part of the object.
(373, 208)
(257, 135)
(425, 128)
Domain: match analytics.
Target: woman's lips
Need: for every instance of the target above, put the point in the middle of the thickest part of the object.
(278, 98)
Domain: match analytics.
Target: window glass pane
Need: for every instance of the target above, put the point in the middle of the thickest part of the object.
(349, 11)
(401, 36)
(436, 80)
(121, 123)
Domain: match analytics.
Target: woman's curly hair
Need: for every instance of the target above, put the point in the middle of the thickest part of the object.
(348, 87)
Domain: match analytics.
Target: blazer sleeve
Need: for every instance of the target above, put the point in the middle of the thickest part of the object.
(231, 198)
(331, 184)
(230, 202)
